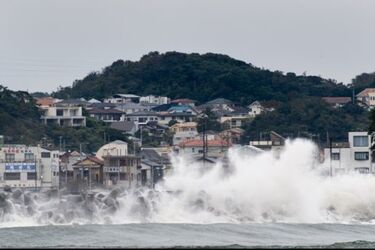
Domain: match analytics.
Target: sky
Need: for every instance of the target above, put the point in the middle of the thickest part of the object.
(45, 44)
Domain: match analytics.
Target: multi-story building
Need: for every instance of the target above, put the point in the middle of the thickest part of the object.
(63, 114)
(158, 100)
(122, 98)
(354, 155)
(24, 166)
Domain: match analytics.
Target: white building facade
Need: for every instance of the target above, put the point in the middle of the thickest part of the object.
(353, 156)
(22, 166)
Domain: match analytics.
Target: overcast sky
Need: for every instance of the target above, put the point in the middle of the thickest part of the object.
(47, 43)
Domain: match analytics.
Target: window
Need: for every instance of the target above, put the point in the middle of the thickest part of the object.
(46, 155)
(361, 156)
(29, 157)
(31, 176)
(59, 113)
(335, 156)
(10, 157)
(12, 176)
(360, 141)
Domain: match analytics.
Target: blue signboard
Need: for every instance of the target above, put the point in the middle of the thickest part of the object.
(20, 167)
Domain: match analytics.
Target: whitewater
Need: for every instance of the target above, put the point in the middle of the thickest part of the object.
(251, 191)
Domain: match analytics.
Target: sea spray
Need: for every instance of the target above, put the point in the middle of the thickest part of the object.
(290, 186)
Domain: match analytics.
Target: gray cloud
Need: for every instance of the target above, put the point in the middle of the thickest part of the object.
(47, 43)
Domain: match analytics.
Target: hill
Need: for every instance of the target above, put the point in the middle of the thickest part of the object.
(200, 77)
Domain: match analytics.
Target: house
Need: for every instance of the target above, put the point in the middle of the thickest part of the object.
(30, 167)
(73, 103)
(183, 101)
(46, 101)
(184, 131)
(106, 115)
(337, 102)
(153, 166)
(166, 117)
(141, 117)
(219, 104)
(122, 98)
(64, 113)
(119, 167)
(236, 118)
(125, 126)
(93, 100)
(67, 160)
(273, 142)
(88, 172)
(102, 105)
(131, 107)
(366, 97)
(256, 107)
(158, 100)
(351, 156)
(184, 127)
(183, 109)
(233, 135)
(214, 148)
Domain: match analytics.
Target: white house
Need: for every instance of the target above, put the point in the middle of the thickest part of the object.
(70, 116)
(122, 98)
(28, 167)
(158, 100)
(354, 155)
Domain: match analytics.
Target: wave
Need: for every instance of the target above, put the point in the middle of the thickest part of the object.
(249, 188)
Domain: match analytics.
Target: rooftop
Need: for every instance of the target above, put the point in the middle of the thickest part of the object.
(334, 100)
(210, 143)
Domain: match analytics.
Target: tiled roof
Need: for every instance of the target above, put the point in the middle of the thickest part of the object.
(334, 100)
(104, 111)
(45, 101)
(365, 92)
(183, 100)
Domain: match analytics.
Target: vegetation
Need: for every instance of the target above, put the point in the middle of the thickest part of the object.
(199, 77)
(300, 110)
(20, 123)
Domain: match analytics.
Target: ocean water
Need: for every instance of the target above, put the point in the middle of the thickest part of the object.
(190, 235)
(256, 200)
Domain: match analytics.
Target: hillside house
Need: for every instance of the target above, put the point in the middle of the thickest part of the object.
(337, 102)
(122, 98)
(64, 114)
(367, 97)
(106, 115)
(157, 100)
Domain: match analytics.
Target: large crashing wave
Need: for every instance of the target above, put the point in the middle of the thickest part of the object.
(291, 188)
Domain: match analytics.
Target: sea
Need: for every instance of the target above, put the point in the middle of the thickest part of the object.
(256, 199)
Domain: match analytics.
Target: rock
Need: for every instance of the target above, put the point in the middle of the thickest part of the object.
(16, 194)
(7, 188)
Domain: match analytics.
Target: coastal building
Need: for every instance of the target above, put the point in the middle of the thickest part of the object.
(88, 172)
(141, 118)
(67, 161)
(257, 107)
(351, 156)
(63, 113)
(28, 167)
(366, 97)
(131, 107)
(158, 100)
(184, 131)
(122, 98)
(214, 148)
(119, 167)
(181, 117)
(106, 115)
(272, 141)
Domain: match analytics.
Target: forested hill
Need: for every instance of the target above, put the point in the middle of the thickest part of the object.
(200, 77)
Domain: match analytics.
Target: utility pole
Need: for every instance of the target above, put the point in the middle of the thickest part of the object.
(330, 156)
